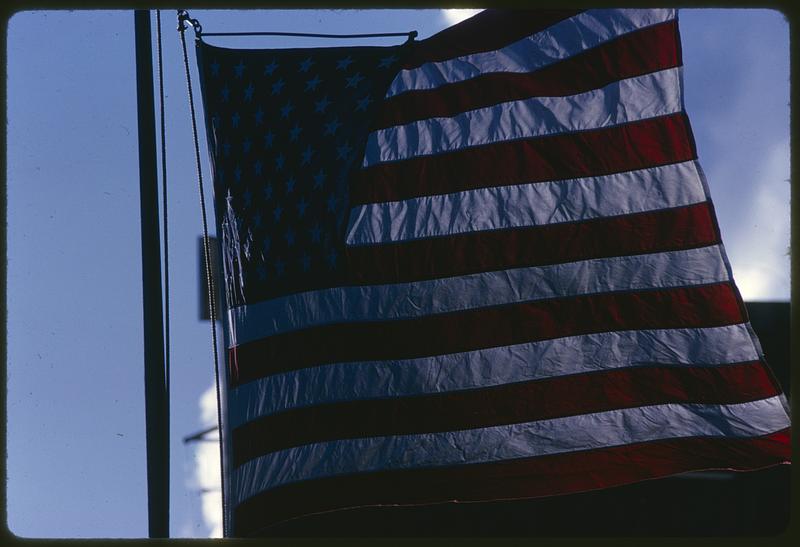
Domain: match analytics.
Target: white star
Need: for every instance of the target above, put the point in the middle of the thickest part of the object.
(239, 69)
(316, 233)
(363, 103)
(270, 68)
(311, 85)
(354, 80)
(306, 155)
(332, 126)
(321, 104)
(386, 62)
(294, 132)
(332, 203)
(343, 151)
(289, 236)
(302, 205)
(286, 109)
(268, 138)
(278, 86)
(319, 178)
(305, 65)
(248, 92)
(342, 64)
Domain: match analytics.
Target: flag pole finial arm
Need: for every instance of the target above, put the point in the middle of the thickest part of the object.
(183, 18)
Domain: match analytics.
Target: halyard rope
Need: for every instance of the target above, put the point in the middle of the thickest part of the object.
(207, 255)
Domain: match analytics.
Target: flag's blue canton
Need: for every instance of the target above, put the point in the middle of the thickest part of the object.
(288, 128)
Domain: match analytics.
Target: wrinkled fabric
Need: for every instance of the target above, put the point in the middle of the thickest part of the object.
(625, 101)
(560, 41)
(573, 433)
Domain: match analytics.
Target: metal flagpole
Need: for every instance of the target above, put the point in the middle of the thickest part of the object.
(154, 368)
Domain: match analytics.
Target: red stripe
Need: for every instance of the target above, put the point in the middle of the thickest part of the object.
(641, 52)
(501, 405)
(626, 147)
(486, 31)
(468, 330)
(513, 479)
(473, 252)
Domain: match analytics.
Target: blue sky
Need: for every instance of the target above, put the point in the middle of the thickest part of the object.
(75, 402)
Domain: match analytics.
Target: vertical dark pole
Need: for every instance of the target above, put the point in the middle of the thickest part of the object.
(157, 420)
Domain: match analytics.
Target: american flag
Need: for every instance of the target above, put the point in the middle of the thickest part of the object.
(480, 266)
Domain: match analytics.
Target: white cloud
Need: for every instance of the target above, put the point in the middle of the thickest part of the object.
(737, 95)
(207, 468)
(453, 16)
(761, 267)
(208, 407)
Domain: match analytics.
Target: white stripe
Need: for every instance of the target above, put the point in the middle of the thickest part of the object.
(540, 438)
(624, 101)
(406, 300)
(560, 41)
(532, 204)
(489, 367)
